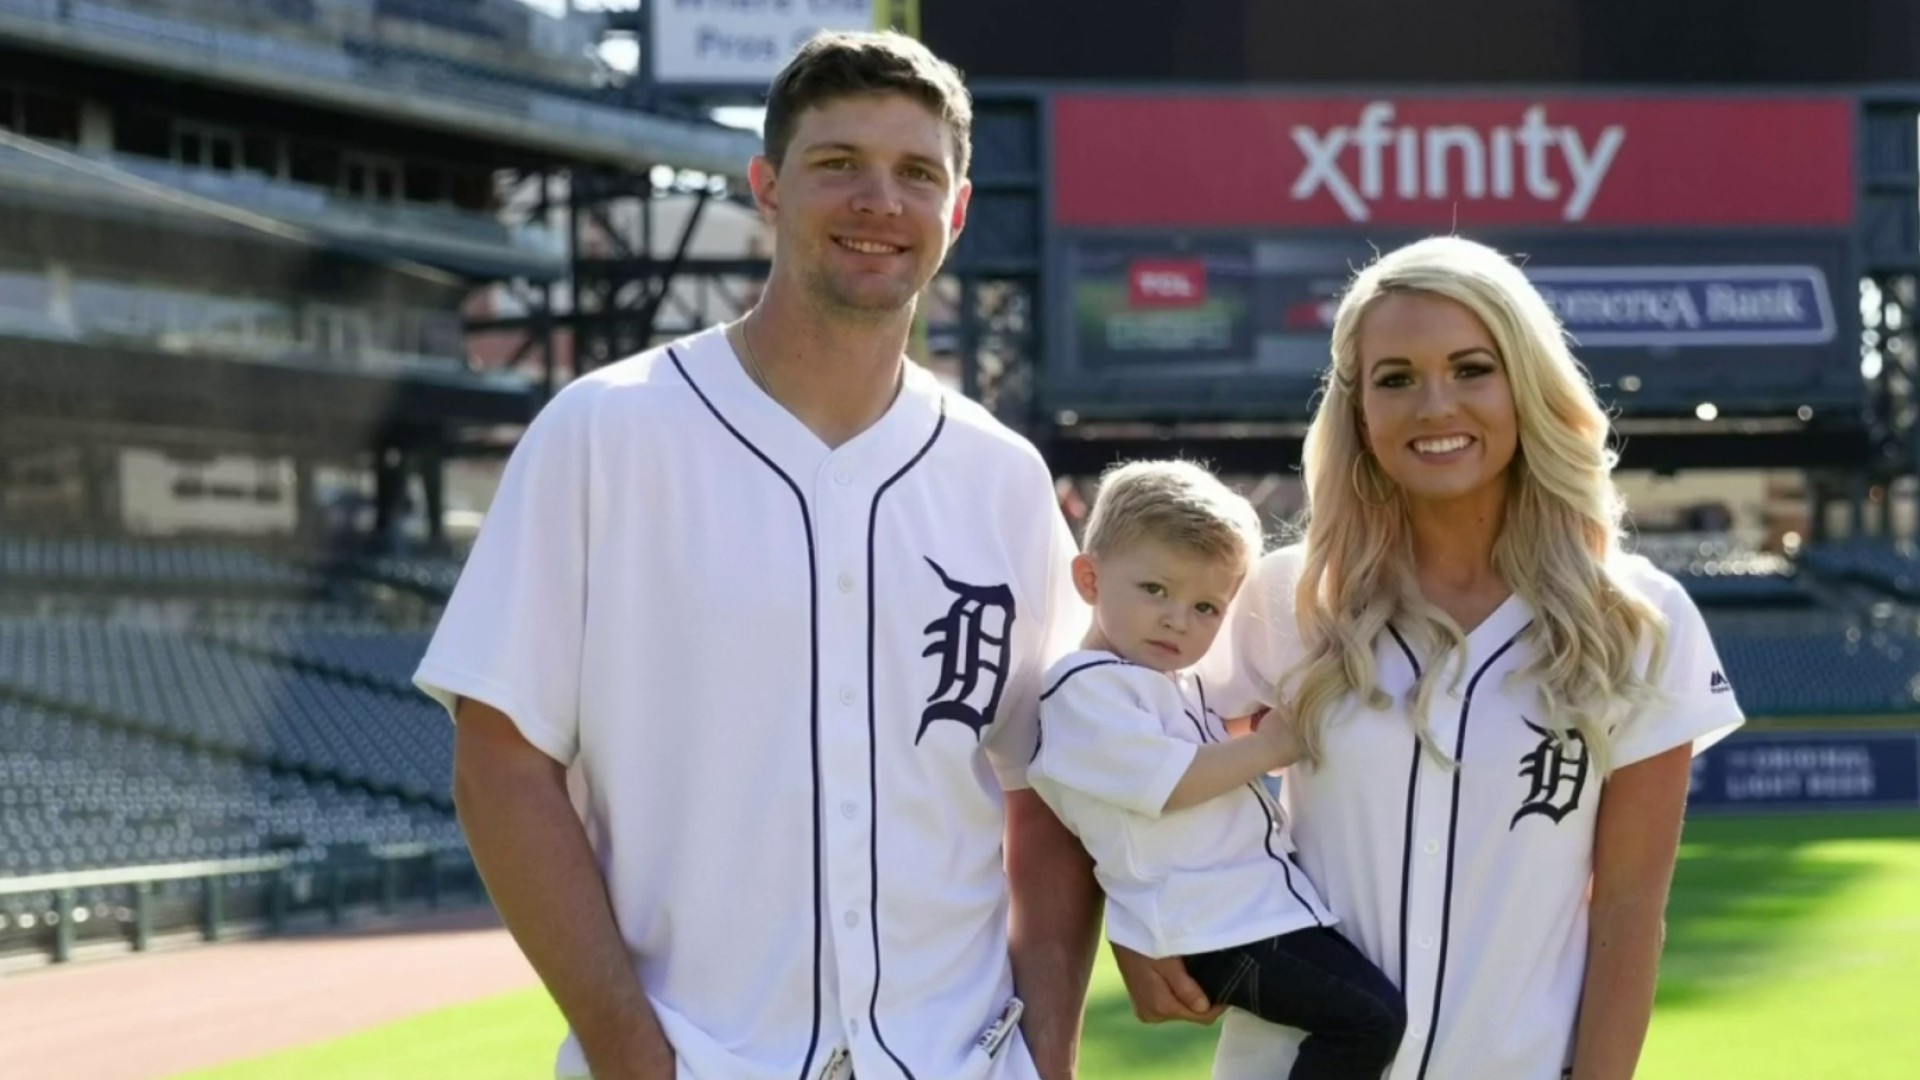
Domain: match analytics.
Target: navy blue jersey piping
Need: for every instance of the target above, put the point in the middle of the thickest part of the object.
(813, 697)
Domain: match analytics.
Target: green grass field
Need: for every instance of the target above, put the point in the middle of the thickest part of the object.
(1793, 948)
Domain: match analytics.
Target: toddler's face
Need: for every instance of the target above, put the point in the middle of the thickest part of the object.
(1158, 605)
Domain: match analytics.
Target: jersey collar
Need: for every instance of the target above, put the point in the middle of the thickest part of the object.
(867, 459)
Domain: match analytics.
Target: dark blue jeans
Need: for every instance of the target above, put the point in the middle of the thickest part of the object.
(1317, 981)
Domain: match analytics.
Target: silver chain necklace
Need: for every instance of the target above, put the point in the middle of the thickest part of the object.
(753, 362)
(760, 379)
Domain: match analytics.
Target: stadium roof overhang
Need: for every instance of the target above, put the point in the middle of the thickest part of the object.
(40, 178)
(540, 125)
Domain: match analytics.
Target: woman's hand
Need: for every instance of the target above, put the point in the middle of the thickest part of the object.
(1276, 727)
(1162, 990)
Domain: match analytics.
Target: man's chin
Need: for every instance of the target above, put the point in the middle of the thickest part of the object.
(872, 303)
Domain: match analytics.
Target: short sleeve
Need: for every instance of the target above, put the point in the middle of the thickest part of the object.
(1061, 627)
(512, 631)
(1258, 642)
(1697, 703)
(1103, 740)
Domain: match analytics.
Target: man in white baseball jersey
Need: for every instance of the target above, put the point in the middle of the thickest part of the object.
(773, 608)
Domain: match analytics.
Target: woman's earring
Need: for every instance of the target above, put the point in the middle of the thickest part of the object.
(1381, 496)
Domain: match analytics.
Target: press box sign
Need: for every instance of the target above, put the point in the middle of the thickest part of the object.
(741, 43)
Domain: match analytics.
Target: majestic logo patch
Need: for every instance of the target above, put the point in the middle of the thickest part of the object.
(1556, 774)
(972, 642)
(1718, 683)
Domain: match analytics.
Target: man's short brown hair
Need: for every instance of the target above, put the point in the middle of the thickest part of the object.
(841, 64)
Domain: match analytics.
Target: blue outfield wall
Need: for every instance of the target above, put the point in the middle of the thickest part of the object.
(1808, 770)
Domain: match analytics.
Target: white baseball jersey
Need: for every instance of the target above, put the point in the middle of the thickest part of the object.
(1467, 887)
(791, 684)
(1115, 739)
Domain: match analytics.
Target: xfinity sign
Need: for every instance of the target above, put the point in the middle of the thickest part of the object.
(741, 43)
(1682, 306)
(1531, 158)
(1466, 162)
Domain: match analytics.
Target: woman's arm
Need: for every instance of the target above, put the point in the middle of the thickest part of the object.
(1635, 844)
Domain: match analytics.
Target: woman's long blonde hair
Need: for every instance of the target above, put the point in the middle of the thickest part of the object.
(1558, 547)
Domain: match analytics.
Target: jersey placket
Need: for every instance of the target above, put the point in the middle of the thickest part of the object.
(1425, 897)
(842, 495)
(1433, 884)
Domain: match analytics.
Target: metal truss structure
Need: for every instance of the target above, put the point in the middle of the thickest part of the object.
(1889, 260)
(635, 280)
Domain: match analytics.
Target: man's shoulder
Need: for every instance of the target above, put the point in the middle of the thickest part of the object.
(666, 365)
(654, 379)
(985, 439)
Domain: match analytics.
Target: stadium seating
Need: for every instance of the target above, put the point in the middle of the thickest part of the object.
(75, 794)
(1716, 570)
(176, 686)
(377, 655)
(278, 714)
(425, 575)
(1786, 665)
(138, 565)
(1890, 565)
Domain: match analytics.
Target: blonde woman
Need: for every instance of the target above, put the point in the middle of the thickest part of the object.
(1497, 707)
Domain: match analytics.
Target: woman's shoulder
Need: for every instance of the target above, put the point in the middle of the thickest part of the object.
(1639, 574)
(1280, 568)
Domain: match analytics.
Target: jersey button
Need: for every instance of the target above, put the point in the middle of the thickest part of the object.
(1433, 847)
(843, 478)
(1426, 942)
(846, 582)
(849, 810)
(852, 919)
(853, 1027)
(846, 695)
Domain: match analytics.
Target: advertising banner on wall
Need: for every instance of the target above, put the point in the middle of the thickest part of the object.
(1838, 770)
(740, 44)
(1447, 161)
(1698, 248)
(1236, 325)
(1683, 306)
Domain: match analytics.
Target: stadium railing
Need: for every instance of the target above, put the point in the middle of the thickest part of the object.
(269, 893)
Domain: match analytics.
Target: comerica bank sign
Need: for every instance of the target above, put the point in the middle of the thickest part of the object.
(1681, 306)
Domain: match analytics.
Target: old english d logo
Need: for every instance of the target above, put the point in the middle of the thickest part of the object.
(1556, 773)
(971, 642)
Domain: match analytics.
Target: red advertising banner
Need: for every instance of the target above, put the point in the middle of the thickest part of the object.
(1167, 283)
(1439, 162)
